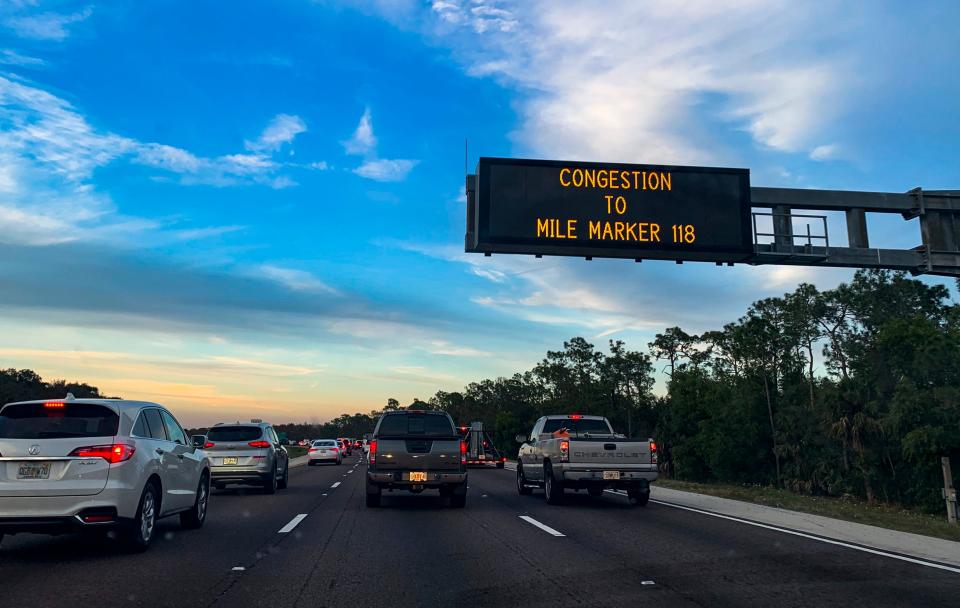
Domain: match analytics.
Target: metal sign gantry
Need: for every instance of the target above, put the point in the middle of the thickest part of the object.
(497, 218)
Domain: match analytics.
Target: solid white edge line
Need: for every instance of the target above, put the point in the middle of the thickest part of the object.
(293, 524)
(543, 527)
(829, 541)
(335, 485)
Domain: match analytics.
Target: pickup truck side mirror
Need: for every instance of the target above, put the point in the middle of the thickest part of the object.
(522, 438)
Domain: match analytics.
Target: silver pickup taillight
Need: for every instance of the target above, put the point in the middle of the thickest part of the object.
(565, 451)
(653, 452)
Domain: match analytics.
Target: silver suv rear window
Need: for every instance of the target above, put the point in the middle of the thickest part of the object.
(57, 421)
(234, 433)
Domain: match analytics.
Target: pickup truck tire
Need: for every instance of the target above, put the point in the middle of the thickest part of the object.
(522, 488)
(458, 496)
(638, 498)
(552, 489)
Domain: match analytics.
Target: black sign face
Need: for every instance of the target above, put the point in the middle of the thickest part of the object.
(609, 210)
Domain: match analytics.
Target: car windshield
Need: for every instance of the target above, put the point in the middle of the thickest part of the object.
(57, 421)
(325, 444)
(584, 426)
(427, 425)
(233, 433)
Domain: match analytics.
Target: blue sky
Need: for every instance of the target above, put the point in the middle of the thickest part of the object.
(256, 208)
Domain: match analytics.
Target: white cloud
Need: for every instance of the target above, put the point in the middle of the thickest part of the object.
(12, 57)
(363, 140)
(46, 26)
(297, 280)
(650, 81)
(320, 165)
(281, 130)
(442, 347)
(824, 152)
(386, 169)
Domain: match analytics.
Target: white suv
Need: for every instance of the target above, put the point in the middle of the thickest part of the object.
(87, 464)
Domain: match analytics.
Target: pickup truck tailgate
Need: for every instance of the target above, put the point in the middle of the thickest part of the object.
(433, 454)
(609, 452)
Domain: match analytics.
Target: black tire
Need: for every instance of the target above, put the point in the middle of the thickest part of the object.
(595, 491)
(270, 483)
(373, 496)
(311, 463)
(137, 535)
(522, 488)
(499, 465)
(458, 495)
(638, 498)
(220, 486)
(552, 489)
(195, 517)
(1, 538)
(285, 480)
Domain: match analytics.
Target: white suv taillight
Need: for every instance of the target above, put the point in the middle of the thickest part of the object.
(564, 451)
(113, 453)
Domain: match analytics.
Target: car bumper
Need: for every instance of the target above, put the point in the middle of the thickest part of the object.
(234, 475)
(401, 479)
(314, 458)
(594, 476)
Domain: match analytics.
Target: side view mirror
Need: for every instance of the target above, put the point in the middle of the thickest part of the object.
(198, 441)
(522, 438)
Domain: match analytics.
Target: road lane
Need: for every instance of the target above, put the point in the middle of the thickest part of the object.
(722, 563)
(48, 571)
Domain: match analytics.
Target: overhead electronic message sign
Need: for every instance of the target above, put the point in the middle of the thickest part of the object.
(585, 209)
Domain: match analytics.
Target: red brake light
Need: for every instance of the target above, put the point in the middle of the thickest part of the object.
(117, 452)
(259, 444)
(208, 445)
(575, 416)
(653, 446)
(463, 452)
(564, 451)
(311, 450)
(653, 452)
(335, 449)
(373, 451)
(97, 519)
(54, 405)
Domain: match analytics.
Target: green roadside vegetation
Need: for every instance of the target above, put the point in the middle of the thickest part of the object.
(296, 451)
(847, 508)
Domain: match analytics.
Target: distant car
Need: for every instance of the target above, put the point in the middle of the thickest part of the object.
(416, 450)
(324, 450)
(248, 454)
(345, 446)
(99, 464)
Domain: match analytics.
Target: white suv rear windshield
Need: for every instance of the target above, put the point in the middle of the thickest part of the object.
(233, 433)
(57, 421)
(325, 444)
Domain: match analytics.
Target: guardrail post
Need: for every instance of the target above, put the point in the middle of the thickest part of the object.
(949, 493)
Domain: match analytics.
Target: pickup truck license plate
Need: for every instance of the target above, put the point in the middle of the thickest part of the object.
(611, 474)
(229, 461)
(418, 476)
(30, 470)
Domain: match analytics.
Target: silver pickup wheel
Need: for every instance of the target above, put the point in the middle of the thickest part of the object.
(522, 488)
(552, 489)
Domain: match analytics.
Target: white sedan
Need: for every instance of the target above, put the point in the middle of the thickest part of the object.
(324, 450)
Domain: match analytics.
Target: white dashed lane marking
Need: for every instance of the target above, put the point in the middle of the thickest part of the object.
(543, 527)
(292, 524)
(335, 485)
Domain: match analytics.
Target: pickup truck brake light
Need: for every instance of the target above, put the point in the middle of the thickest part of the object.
(564, 451)
(653, 452)
(575, 416)
(373, 452)
(463, 452)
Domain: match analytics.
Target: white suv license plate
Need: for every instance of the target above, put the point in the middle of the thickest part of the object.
(611, 474)
(30, 470)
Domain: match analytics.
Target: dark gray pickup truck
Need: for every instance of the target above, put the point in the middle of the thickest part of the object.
(416, 450)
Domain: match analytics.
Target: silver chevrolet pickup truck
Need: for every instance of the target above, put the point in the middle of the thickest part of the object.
(582, 452)
(416, 450)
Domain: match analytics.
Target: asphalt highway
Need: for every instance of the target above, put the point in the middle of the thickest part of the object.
(317, 545)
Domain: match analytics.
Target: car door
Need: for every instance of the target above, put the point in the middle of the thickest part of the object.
(280, 454)
(163, 455)
(181, 469)
(532, 463)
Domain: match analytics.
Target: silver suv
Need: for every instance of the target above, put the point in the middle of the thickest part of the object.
(98, 464)
(248, 454)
